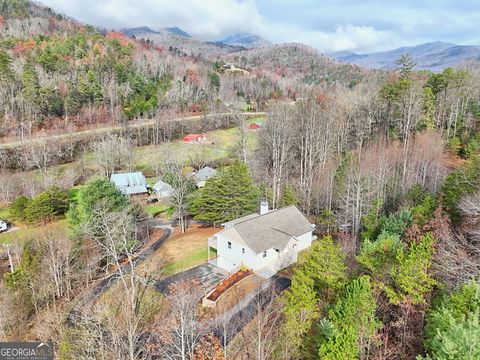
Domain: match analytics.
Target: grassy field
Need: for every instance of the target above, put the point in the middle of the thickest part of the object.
(220, 144)
(25, 232)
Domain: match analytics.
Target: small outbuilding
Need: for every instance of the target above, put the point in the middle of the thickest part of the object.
(162, 189)
(254, 126)
(203, 175)
(133, 183)
(195, 137)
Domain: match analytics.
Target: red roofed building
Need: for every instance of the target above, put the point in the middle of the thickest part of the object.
(194, 137)
(254, 126)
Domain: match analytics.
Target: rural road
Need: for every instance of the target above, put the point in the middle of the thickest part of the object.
(108, 129)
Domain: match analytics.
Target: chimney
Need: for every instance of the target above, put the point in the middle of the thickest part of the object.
(263, 207)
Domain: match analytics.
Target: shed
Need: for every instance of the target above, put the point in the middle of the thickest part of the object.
(133, 183)
(194, 137)
(254, 126)
(162, 189)
(203, 175)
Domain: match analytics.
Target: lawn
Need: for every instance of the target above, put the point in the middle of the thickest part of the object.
(5, 214)
(157, 209)
(180, 252)
(32, 231)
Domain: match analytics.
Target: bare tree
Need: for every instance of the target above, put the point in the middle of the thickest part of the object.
(276, 144)
(113, 152)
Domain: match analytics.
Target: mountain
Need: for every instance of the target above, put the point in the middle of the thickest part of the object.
(434, 56)
(138, 31)
(246, 40)
(143, 31)
(176, 31)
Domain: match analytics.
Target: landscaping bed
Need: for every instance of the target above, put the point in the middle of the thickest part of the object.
(228, 283)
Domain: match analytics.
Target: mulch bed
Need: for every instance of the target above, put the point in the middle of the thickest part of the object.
(228, 283)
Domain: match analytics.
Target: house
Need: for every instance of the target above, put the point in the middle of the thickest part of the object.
(195, 137)
(254, 126)
(203, 175)
(133, 183)
(162, 189)
(265, 242)
(3, 226)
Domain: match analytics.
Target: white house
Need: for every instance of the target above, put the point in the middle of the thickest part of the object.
(133, 183)
(162, 189)
(268, 241)
(203, 175)
(3, 226)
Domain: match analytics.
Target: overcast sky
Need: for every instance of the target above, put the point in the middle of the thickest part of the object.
(328, 25)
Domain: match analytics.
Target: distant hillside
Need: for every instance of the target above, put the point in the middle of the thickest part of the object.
(434, 56)
(246, 40)
(143, 31)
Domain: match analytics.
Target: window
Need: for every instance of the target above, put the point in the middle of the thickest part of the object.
(229, 245)
(265, 253)
(243, 250)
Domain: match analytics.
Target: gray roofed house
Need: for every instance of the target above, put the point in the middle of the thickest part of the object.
(133, 183)
(163, 189)
(270, 240)
(203, 175)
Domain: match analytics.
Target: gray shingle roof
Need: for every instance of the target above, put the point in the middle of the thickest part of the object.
(161, 186)
(205, 173)
(130, 183)
(273, 229)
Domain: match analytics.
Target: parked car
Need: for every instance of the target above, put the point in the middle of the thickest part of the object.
(152, 201)
(3, 226)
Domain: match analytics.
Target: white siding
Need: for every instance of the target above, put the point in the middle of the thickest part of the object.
(304, 241)
(238, 254)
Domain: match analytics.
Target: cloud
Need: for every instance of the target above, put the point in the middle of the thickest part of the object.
(328, 25)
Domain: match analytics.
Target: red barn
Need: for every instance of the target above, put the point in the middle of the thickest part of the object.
(254, 126)
(194, 137)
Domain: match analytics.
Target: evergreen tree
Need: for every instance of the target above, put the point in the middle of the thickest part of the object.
(289, 196)
(325, 264)
(411, 278)
(99, 192)
(351, 323)
(30, 84)
(453, 327)
(300, 310)
(227, 196)
(6, 71)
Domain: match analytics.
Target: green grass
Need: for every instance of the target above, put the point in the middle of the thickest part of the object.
(5, 214)
(32, 231)
(188, 261)
(157, 209)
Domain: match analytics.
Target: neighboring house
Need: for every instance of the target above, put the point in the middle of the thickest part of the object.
(3, 226)
(265, 242)
(162, 189)
(195, 137)
(133, 183)
(203, 175)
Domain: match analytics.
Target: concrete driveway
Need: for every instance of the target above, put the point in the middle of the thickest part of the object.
(207, 275)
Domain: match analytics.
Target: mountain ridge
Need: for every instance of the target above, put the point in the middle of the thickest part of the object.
(433, 56)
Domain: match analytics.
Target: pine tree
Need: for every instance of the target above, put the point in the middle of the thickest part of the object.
(6, 71)
(325, 264)
(351, 323)
(300, 310)
(30, 84)
(229, 195)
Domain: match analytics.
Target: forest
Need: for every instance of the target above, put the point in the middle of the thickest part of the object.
(385, 163)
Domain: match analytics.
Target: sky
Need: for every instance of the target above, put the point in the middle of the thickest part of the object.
(328, 25)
